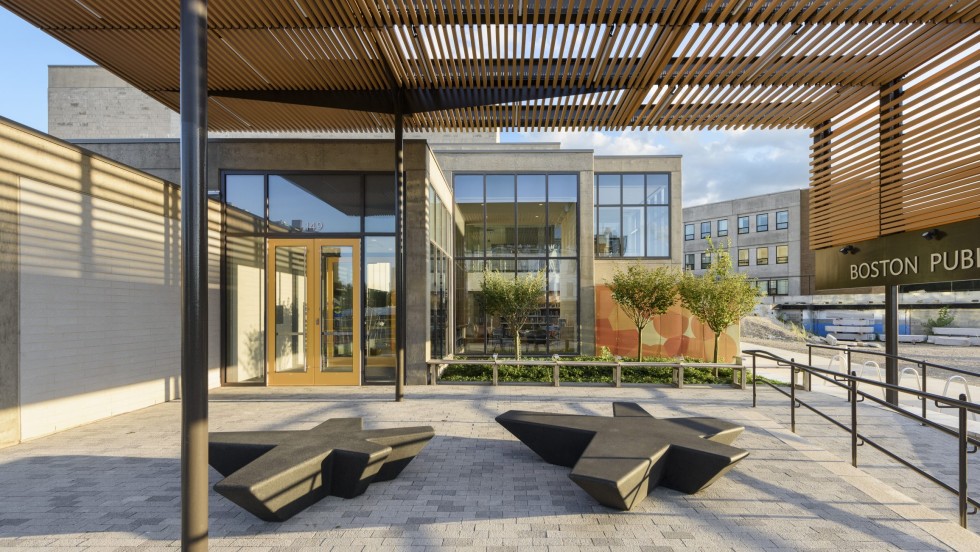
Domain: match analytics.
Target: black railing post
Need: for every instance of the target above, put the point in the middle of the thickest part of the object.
(753, 382)
(961, 437)
(924, 388)
(854, 420)
(792, 396)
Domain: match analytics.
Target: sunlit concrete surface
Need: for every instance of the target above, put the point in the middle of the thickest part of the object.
(113, 484)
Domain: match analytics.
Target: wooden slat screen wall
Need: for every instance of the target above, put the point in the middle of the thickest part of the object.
(648, 64)
(894, 164)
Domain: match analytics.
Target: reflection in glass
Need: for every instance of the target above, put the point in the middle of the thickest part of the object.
(562, 325)
(658, 189)
(379, 312)
(468, 190)
(246, 192)
(531, 215)
(379, 203)
(337, 309)
(563, 214)
(633, 189)
(607, 240)
(500, 214)
(607, 189)
(658, 231)
(633, 231)
(291, 304)
(245, 301)
(316, 202)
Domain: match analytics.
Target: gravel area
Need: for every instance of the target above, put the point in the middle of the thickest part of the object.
(759, 331)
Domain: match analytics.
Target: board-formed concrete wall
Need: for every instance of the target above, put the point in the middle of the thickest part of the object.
(93, 248)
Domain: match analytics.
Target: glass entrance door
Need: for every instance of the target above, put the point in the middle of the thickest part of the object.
(314, 312)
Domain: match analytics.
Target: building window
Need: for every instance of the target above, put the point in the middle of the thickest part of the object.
(706, 229)
(773, 287)
(782, 220)
(518, 224)
(782, 254)
(633, 215)
(705, 260)
(722, 228)
(688, 232)
(762, 256)
(743, 257)
(743, 225)
(689, 261)
(762, 222)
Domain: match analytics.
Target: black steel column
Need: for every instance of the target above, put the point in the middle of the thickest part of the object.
(891, 342)
(401, 315)
(890, 148)
(194, 314)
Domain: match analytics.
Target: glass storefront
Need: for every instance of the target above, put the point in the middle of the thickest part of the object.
(517, 224)
(306, 205)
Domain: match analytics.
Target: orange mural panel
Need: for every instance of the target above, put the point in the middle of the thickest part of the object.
(675, 333)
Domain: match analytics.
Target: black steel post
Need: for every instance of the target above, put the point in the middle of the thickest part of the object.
(891, 342)
(792, 397)
(401, 314)
(961, 437)
(854, 421)
(753, 382)
(194, 314)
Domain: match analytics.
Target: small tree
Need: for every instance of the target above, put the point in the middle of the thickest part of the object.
(720, 297)
(512, 299)
(643, 293)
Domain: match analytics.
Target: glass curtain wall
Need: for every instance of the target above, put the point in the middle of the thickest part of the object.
(440, 236)
(297, 205)
(517, 224)
(632, 216)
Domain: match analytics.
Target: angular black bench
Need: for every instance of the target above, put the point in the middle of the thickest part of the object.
(276, 474)
(619, 460)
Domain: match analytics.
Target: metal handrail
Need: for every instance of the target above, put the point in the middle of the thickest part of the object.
(738, 370)
(863, 351)
(850, 382)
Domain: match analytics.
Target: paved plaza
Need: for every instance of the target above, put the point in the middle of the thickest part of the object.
(114, 485)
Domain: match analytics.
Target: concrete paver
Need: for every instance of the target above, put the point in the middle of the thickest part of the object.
(113, 485)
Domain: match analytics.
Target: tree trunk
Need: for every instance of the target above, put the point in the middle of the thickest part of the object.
(717, 335)
(517, 344)
(639, 344)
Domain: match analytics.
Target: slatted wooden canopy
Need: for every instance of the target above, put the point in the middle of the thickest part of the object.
(320, 65)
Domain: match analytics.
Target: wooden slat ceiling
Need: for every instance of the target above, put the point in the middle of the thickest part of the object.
(583, 64)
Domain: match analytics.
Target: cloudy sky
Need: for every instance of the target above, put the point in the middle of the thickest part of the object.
(718, 165)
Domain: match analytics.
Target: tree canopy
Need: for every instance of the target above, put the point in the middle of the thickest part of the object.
(513, 299)
(720, 297)
(642, 293)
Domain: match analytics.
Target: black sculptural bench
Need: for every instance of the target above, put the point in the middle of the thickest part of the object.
(619, 460)
(276, 474)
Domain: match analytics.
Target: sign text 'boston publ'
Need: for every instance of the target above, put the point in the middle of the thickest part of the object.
(941, 254)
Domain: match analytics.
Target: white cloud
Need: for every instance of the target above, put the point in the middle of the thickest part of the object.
(717, 166)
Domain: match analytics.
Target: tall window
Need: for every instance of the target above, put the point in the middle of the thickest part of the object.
(743, 225)
(782, 220)
(706, 229)
(689, 261)
(722, 228)
(762, 222)
(705, 260)
(762, 256)
(632, 217)
(517, 224)
(743, 257)
(782, 254)
(688, 232)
